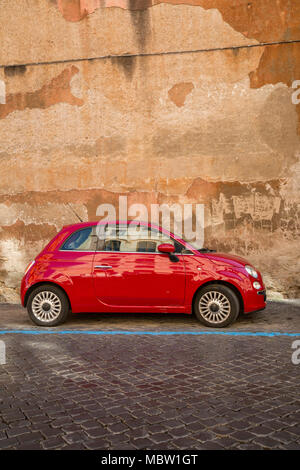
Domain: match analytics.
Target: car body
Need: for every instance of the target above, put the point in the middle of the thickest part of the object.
(112, 273)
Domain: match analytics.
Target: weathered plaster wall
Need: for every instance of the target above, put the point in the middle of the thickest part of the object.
(191, 115)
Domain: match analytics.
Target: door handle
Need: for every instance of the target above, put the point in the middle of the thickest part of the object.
(103, 266)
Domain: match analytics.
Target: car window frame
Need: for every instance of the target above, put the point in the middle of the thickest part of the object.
(78, 251)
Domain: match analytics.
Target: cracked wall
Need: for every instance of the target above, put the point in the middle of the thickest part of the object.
(191, 115)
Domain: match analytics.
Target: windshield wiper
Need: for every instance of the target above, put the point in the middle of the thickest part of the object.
(206, 250)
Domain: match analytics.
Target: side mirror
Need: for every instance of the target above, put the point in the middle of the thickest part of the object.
(169, 249)
(166, 248)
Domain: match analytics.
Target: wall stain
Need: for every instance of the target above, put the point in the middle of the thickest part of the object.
(140, 19)
(13, 70)
(126, 63)
(57, 91)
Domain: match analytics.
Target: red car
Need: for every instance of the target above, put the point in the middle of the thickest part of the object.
(137, 267)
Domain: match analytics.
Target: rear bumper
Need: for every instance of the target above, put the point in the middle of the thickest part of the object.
(23, 291)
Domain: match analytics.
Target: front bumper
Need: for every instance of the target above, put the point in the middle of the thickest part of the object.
(263, 293)
(256, 301)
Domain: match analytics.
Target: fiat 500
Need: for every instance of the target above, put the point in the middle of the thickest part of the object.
(137, 267)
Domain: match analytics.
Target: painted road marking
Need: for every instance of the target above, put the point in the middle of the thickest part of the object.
(267, 334)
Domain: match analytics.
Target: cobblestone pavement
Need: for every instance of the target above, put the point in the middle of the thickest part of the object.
(82, 391)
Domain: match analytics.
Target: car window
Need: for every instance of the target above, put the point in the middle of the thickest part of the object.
(81, 240)
(139, 239)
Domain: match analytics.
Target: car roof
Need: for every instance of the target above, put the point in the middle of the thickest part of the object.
(125, 222)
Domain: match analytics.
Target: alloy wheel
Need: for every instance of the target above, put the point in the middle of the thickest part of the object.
(46, 306)
(214, 307)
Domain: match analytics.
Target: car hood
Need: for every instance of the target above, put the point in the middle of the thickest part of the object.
(225, 258)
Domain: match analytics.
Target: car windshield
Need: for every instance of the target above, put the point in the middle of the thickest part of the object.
(192, 245)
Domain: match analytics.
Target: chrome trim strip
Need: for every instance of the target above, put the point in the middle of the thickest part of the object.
(78, 251)
(132, 252)
(138, 252)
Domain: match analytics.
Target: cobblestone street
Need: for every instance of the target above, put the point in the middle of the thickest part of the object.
(142, 391)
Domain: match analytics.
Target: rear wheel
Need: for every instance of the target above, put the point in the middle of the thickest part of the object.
(48, 305)
(216, 306)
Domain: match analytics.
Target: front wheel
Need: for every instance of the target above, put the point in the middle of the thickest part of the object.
(216, 306)
(48, 305)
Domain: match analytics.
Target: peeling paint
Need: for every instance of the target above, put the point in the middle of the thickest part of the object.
(264, 20)
(76, 10)
(160, 29)
(278, 64)
(237, 216)
(57, 91)
(179, 92)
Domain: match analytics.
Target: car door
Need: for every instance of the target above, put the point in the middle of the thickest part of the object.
(129, 272)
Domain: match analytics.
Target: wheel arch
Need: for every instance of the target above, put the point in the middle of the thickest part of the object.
(38, 284)
(222, 283)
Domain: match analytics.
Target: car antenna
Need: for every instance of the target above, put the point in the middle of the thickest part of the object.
(74, 212)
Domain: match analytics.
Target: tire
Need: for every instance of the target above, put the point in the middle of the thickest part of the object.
(216, 306)
(48, 305)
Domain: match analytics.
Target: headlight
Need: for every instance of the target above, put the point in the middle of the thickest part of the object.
(251, 271)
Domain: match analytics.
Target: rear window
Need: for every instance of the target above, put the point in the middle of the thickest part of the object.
(81, 240)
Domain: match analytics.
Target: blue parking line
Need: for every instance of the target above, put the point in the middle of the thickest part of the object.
(270, 334)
